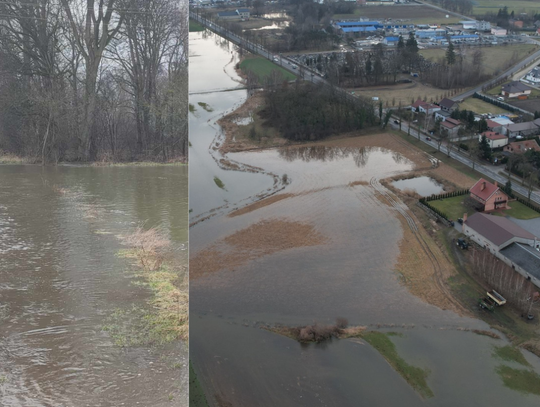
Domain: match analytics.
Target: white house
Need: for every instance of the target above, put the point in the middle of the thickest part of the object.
(498, 31)
(533, 76)
(494, 139)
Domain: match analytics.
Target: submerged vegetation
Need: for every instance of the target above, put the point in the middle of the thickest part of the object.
(510, 353)
(415, 376)
(205, 106)
(525, 381)
(219, 183)
(167, 318)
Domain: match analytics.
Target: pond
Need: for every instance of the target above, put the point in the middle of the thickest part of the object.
(423, 186)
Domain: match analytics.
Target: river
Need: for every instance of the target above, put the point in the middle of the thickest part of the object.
(61, 281)
(328, 248)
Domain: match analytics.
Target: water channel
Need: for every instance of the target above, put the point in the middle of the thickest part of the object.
(61, 280)
(348, 270)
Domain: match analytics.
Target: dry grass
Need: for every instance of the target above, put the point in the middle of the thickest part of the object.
(260, 204)
(168, 281)
(8, 158)
(259, 239)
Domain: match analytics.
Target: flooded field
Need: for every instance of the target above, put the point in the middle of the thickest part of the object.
(327, 245)
(423, 186)
(62, 280)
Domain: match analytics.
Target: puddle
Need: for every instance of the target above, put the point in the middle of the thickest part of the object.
(423, 186)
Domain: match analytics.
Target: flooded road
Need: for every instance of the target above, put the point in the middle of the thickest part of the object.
(345, 265)
(61, 279)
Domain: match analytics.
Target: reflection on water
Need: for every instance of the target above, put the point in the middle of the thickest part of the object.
(424, 186)
(326, 154)
(60, 278)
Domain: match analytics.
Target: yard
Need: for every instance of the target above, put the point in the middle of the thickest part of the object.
(480, 107)
(410, 13)
(453, 207)
(263, 68)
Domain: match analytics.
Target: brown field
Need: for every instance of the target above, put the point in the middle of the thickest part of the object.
(417, 14)
(402, 92)
(496, 58)
(532, 105)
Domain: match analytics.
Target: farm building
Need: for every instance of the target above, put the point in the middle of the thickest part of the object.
(495, 233)
(489, 195)
(522, 129)
(524, 259)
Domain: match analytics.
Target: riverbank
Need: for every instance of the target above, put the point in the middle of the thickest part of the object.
(9, 158)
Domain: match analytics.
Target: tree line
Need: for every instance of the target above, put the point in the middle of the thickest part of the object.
(305, 111)
(85, 80)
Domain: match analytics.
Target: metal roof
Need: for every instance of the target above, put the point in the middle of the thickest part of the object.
(524, 256)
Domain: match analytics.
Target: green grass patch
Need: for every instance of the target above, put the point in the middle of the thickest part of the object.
(453, 207)
(192, 108)
(196, 392)
(205, 106)
(481, 107)
(415, 376)
(510, 354)
(520, 211)
(195, 26)
(518, 6)
(262, 68)
(219, 183)
(524, 381)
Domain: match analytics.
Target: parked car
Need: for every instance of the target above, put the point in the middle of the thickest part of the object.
(428, 138)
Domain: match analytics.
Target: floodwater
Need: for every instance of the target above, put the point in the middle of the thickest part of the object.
(61, 279)
(423, 186)
(351, 275)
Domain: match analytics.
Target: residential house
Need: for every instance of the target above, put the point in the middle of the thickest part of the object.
(516, 23)
(452, 126)
(524, 129)
(448, 105)
(442, 115)
(425, 107)
(489, 195)
(533, 76)
(494, 126)
(495, 232)
(483, 25)
(515, 89)
(520, 147)
(495, 140)
(239, 14)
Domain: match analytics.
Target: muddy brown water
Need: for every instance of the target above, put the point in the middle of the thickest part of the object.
(61, 279)
(352, 275)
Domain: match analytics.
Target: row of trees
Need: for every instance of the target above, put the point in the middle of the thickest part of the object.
(87, 79)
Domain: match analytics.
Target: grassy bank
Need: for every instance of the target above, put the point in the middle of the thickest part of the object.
(524, 381)
(415, 376)
(262, 68)
(195, 26)
(8, 158)
(165, 319)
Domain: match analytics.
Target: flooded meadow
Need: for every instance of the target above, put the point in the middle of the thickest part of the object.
(326, 241)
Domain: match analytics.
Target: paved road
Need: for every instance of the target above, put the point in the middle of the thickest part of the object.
(485, 169)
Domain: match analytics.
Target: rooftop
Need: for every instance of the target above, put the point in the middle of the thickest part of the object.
(483, 189)
(496, 229)
(524, 256)
(515, 87)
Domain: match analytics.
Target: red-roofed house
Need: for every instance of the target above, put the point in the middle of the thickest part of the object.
(494, 139)
(452, 126)
(520, 147)
(494, 126)
(489, 195)
(425, 107)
